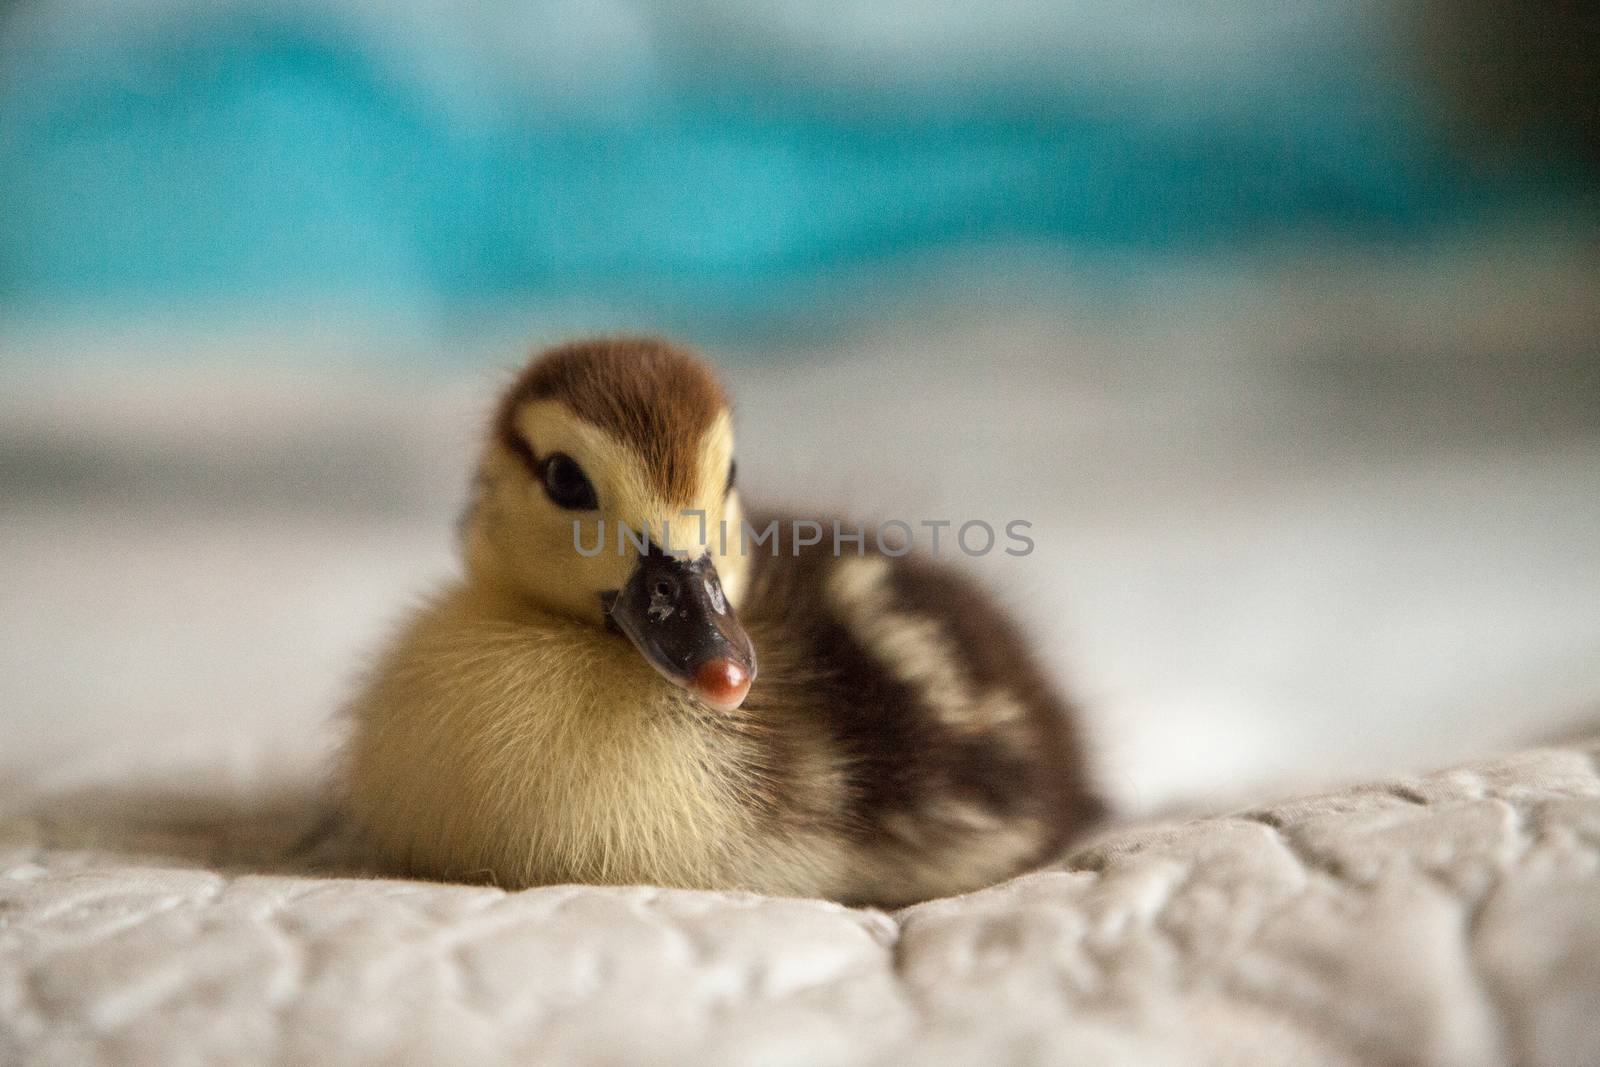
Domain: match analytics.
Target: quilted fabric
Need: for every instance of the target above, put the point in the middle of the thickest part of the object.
(1452, 919)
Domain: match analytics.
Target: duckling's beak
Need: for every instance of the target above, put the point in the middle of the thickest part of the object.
(675, 613)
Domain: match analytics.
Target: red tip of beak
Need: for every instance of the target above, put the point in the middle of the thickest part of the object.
(721, 683)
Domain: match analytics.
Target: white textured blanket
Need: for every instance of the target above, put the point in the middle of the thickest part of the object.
(1452, 919)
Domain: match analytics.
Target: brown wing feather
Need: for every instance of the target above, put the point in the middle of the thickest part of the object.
(941, 766)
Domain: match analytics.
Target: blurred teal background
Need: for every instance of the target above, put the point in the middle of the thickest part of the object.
(711, 168)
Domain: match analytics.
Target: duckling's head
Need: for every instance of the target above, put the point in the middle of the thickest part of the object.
(620, 443)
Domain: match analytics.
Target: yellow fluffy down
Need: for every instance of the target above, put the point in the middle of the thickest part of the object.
(491, 745)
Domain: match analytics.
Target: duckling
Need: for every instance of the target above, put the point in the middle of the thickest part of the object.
(692, 708)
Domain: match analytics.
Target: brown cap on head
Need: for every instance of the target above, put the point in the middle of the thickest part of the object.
(658, 398)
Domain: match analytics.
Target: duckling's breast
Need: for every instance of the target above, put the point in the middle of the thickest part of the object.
(530, 752)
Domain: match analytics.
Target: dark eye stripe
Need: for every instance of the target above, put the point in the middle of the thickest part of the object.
(733, 471)
(520, 448)
(571, 489)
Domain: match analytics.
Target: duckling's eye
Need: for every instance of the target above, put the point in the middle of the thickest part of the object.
(733, 473)
(567, 485)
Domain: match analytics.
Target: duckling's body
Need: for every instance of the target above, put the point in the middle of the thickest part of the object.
(898, 741)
